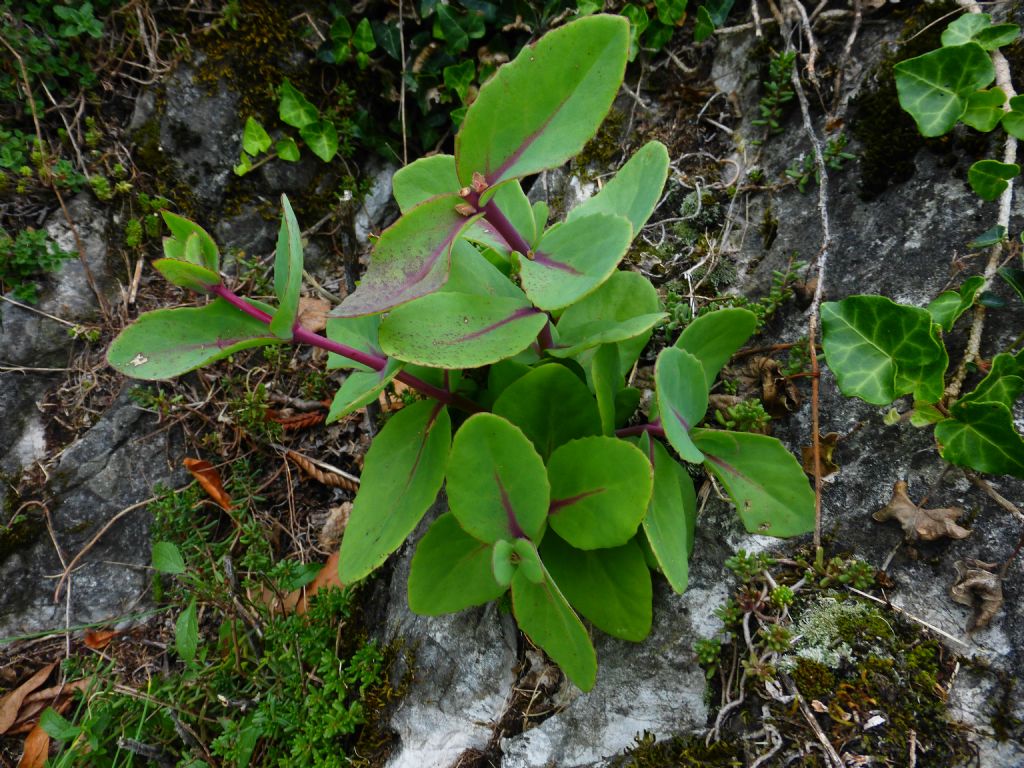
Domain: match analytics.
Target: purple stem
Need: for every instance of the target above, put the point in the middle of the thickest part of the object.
(654, 428)
(544, 339)
(376, 362)
(498, 220)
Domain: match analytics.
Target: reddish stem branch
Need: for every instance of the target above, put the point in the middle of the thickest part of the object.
(654, 428)
(376, 362)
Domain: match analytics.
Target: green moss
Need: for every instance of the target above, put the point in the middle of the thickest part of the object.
(21, 531)
(813, 679)
(681, 751)
(604, 149)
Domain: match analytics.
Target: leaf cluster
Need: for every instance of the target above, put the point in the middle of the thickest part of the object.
(26, 256)
(474, 299)
(951, 85)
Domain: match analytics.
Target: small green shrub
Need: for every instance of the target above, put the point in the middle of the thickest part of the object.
(25, 257)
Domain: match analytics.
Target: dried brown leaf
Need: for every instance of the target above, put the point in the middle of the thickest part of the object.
(826, 450)
(99, 639)
(209, 478)
(37, 748)
(312, 314)
(334, 526)
(778, 393)
(921, 524)
(978, 585)
(11, 702)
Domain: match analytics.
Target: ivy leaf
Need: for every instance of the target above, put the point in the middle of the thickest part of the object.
(978, 28)
(363, 39)
(458, 78)
(948, 306)
(670, 12)
(185, 274)
(610, 587)
(402, 473)
(764, 480)
(715, 337)
(361, 388)
(287, 272)
(984, 109)
(497, 484)
(880, 350)
(287, 149)
(460, 330)
(551, 405)
(671, 515)
(543, 613)
(705, 26)
(574, 258)
(169, 342)
(1014, 278)
(600, 487)
(935, 88)
(410, 259)
(1004, 383)
(682, 399)
(322, 138)
(988, 178)
(989, 237)
(186, 633)
(451, 570)
(559, 89)
(1013, 121)
(254, 138)
(294, 108)
(387, 36)
(982, 437)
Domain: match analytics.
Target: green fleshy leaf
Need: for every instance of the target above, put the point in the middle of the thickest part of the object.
(410, 259)
(361, 388)
(503, 567)
(322, 138)
(619, 299)
(497, 485)
(402, 474)
(1014, 278)
(460, 330)
(551, 405)
(989, 178)
(294, 108)
(935, 88)
(529, 560)
(356, 332)
(559, 89)
(982, 437)
(167, 558)
(423, 179)
(451, 571)
(682, 399)
(671, 516)
(471, 272)
(1004, 383)
(186, 633)
(634, 191)
(185, 274)
(543, 613)
(715, 337)
(181, 229)
(541, 211)
(989, 237)
(287, 149)
(573, 259)
(978, 28)
(605, 332)
(169, 342)
(767, 485)
(948, 306)
(287, 272)
(984, 109)
(600, 488)
(255, 139)
(880, 350)
(607, 382)
(609, 587)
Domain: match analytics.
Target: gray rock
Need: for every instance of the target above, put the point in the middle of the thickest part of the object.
(201, 132)
(378, 204)
(463, 675)
(113, 466)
